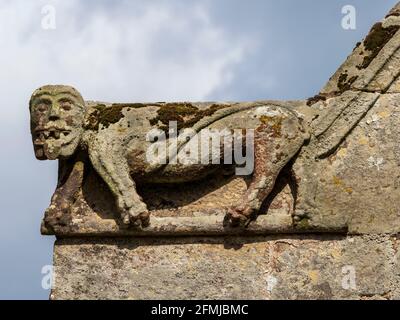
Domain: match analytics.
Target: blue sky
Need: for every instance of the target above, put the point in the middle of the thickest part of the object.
(127, 51)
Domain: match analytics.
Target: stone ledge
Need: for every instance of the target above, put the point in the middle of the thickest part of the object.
(182, 226)
(272, 267)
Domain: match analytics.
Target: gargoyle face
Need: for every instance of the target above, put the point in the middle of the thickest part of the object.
(57, 116)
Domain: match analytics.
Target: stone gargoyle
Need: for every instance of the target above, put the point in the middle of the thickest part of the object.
(114, 138)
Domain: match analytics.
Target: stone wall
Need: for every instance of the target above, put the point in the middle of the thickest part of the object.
(328, 230)
(264, 267)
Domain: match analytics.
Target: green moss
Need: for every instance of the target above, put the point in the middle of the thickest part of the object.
(303, 224)
(173, 112)
(377, 38)
(203, 113)
(315, 99)
(375, 41)
(357, 45)
(107, 115)
(344, 84)
(129, 105)
(185, 114)
(342, 80)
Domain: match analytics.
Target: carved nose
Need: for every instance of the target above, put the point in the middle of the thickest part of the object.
(54, 117)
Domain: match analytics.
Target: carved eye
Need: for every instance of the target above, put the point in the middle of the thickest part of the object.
(66, 105)
(41, 107)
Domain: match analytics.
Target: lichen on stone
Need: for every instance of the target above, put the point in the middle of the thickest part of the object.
(344, 83)
(112, 114)
(204, 113)
(357, 45)
(274, 123)
(315, 99)
(185, 114)
(377, 38)
(173, 112)
(302, 224)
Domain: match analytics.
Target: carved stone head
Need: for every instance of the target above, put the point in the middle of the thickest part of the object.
(57, 117)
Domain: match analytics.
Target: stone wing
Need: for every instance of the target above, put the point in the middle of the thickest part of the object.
(372, 69)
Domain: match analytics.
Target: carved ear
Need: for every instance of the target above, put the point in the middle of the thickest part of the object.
(91, 121)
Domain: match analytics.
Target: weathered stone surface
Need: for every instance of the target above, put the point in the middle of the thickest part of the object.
(348, 173)
(326, 191)
(187, 209)
(279, 267)
(357, 185)
(345, 177)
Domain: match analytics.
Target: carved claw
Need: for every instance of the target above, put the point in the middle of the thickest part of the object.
(239, 216)
(136, 217)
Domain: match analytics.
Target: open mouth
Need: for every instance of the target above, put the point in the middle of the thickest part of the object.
(52, 133)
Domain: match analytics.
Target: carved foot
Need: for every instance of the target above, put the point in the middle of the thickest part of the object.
(58, 213)
(136, 219)
(239, 216)
(137, 216)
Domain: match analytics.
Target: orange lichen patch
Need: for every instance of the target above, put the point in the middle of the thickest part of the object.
(384, 114)
(336, 254)
(275, 123)
(314, 276)
(340, 183)
(348, 190)
(342, 152)
(363, 141)
(337, 181)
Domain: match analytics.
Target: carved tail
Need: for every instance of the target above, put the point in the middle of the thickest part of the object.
(222, 113)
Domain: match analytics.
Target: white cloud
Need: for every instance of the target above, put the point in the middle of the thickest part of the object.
(147, 51)
(129, 51)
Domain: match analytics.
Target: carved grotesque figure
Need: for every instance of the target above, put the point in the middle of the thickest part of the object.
(57, 114)
(114, 138)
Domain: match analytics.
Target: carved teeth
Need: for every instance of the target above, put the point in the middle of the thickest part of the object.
(52, 133)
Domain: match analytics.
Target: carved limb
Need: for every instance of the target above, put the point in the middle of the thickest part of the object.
(70, 179)
(275, 142)
(112, 166)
